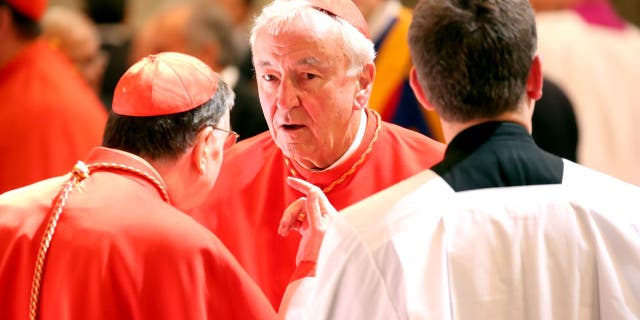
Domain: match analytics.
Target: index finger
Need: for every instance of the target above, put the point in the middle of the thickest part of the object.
(301, 185)
(317, 204)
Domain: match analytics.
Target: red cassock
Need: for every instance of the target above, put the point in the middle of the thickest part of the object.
(49, 117)
(119, 252)
(251, 193)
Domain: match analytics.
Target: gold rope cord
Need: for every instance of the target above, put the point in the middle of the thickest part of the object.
(78, 174)
(353, 168)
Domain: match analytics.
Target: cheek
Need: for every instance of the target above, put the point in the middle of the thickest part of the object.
(341, 100)
(266, 93)
(267, 103)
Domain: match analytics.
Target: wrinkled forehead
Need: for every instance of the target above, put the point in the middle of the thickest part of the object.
(297, 48)
(309, 29)
(305, 21)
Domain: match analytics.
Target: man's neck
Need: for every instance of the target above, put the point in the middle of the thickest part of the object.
(453, 128)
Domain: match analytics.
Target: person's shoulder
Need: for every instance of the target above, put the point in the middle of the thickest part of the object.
(259, 145)
(24, 210)
(34, 195)
(588, 181)
(424, 191)
(171, 231)
(405, 137)
(247, 157)
(167, 242)
(395, 130)
(251, 152)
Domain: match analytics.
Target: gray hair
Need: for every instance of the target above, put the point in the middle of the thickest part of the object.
(277, 16)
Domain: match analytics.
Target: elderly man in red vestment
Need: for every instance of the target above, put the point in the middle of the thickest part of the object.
(49, 116)
(109, 240)
(314, 68)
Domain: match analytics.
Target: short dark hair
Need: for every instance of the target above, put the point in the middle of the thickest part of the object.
(473, 56)
(168, 136)
(27, 27)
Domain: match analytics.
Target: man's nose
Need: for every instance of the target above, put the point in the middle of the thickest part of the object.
(288, 94)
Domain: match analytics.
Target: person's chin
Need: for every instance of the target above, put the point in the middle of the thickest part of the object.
(290, 146)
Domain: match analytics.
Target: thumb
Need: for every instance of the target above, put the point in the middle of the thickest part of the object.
(289, 218)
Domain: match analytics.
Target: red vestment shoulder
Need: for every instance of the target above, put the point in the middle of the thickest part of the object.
(119, 252)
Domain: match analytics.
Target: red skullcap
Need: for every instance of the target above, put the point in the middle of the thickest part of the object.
(346, 10)
(33, 9)
(162, 84)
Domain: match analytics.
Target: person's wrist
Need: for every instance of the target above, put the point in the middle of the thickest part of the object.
(304, 269)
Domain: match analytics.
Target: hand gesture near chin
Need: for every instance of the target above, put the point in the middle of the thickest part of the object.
(309, 215)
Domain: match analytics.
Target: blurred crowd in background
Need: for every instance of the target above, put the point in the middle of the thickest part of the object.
(589, 49)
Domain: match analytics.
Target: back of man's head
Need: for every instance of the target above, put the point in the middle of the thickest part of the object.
(473, 56)
(162, 102)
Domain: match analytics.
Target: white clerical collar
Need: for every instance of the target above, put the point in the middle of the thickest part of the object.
(355, 144)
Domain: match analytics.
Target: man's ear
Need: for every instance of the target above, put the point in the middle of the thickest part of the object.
(418, 91)
(365, 84)
(204, 150)
(534, 79)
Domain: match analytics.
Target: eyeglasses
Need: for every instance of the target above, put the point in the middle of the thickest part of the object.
(231, 139)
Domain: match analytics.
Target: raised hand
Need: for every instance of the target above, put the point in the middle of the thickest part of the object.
(309, 215)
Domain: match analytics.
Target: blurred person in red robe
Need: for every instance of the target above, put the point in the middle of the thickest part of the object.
(314, 70)
(49, 116)
(109, 240)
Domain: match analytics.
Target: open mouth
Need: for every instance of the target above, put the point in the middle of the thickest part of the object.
(292, 126)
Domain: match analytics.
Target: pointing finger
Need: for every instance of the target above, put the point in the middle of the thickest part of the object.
(301, 185)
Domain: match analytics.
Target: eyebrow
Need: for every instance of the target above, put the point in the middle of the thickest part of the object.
(311, 61)
(307, 61)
